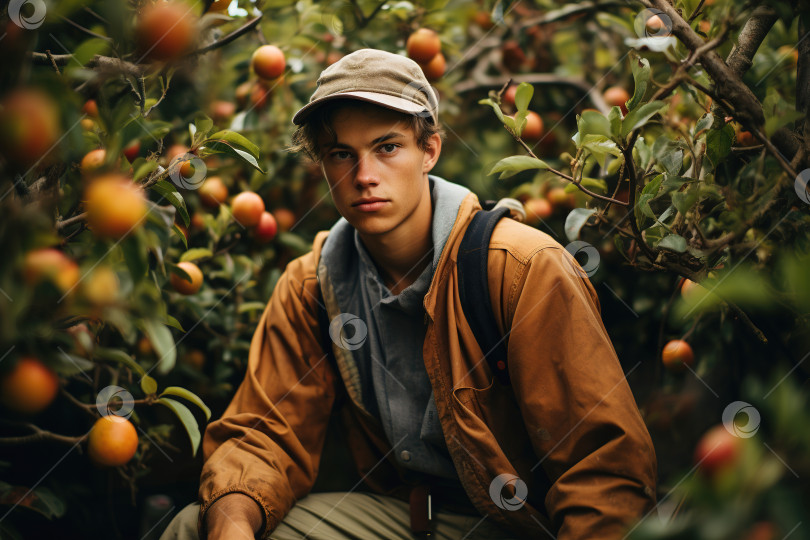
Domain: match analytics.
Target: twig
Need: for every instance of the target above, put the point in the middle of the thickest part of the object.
(61, 224)
(569, 11)
(53, 62)
(248, 26)
(40, 435)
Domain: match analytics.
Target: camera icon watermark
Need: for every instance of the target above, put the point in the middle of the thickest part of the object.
(496, 492)
(193, 181)
(743, 431)
(115, 401)
(802, 186)
(583, 249)
(340, 20)
(31, 22)
(348, 331)
(416, 92)
(652, 23)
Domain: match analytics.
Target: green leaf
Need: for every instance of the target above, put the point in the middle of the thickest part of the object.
(639, 117)
(615, 119)
(495, 107)
(196, 254)
(187, 395)
(225, 148)
(169, 192)
(163, 343)
(523, 96)
(251, 306)
(144, 169)
(704, 123)
(148, 385)
(119, 356)
(641, 78)
(593, 123)
(70, 365)
(235, 140)
(684, 200)
(576, 220)
(512, 165)
(203, 125)
(718, 144)
(187, 419)
(675, 242)
(135, 256)
(180, 233)
(601, 146)
(174, 323)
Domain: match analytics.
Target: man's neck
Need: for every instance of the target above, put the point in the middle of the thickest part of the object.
(402, 254)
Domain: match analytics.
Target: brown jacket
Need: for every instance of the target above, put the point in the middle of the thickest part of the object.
(568, 418)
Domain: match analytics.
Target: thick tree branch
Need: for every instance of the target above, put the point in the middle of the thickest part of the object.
(569, 11)
(39, 435)
(750, 38)
(748, 109)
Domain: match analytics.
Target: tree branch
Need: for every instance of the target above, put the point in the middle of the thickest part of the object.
(39, 435)
(750, 38)
(569, 11)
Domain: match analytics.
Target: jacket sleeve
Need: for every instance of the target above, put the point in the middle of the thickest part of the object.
(268, 442)
(585, 426)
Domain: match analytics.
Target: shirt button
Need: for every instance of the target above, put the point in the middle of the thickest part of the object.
(405, 455)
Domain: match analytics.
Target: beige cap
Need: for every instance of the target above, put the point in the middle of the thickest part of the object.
(380, 77)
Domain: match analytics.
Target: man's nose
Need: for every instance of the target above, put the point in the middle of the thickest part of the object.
(366, 172)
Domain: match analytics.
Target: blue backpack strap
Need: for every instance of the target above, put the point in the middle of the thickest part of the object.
(473, 285)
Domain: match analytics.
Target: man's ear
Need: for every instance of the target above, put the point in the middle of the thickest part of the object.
(434, 149)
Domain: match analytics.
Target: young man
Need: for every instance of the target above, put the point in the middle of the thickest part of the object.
(441, 447)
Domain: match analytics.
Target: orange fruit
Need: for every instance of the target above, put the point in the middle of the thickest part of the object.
(30, 386)
(184, 286)
(266, 229)
(268, 62)
(213, 192)
(285, 218)
(50, 264)
(423, 45)
(537, 210)
(29, 127)
(247, 208)
(92, 161)
(115, 206)
(165, 30)
(616, 96)
(677, 354)
(434, 69)
(112, 442)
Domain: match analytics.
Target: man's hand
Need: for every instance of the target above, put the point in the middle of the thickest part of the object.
(234, 516)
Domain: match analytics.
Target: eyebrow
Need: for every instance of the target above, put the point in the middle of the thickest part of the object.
(392, 135)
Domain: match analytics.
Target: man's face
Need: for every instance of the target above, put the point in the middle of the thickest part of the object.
(376, 157)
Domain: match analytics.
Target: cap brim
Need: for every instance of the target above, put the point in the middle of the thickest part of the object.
(390, 102)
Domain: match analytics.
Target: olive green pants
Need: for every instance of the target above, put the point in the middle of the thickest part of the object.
(342, 516)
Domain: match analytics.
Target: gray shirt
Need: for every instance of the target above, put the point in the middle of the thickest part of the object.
(395, 384)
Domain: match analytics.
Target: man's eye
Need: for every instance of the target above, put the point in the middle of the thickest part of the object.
(389, 148)
(340, 155)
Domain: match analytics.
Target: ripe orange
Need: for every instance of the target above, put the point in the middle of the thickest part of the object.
(184, 286)
(213, 192)
(423, 45)
(509, 95)
(688, 287)
(222, 110)
(115, 206)
(266, 229)
(484, 20)
(101, 286)
(534, 127)
(112, 442)
(92, 161)
(165, 30)
(560, 199)
(268, 62)
(537, 210)
(677, 354)
(744, 138)
(30, 386)
(247, 208)
(90, 108)
(513, 56)
(50, 264)
(194, 358)
(285, 218)
(655, 24)
(616, 96)
(29, 127)
(434, 69)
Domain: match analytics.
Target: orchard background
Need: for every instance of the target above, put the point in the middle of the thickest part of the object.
(148, 205)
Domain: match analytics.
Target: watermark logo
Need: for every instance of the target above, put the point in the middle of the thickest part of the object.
(32, 21)
(193, 181)
(652, 23)
(743, 431)
(340, 20)
(583, 249)
(416, 92)
(802, 186)
(115, 401)
(348, 331)
(497, 486)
